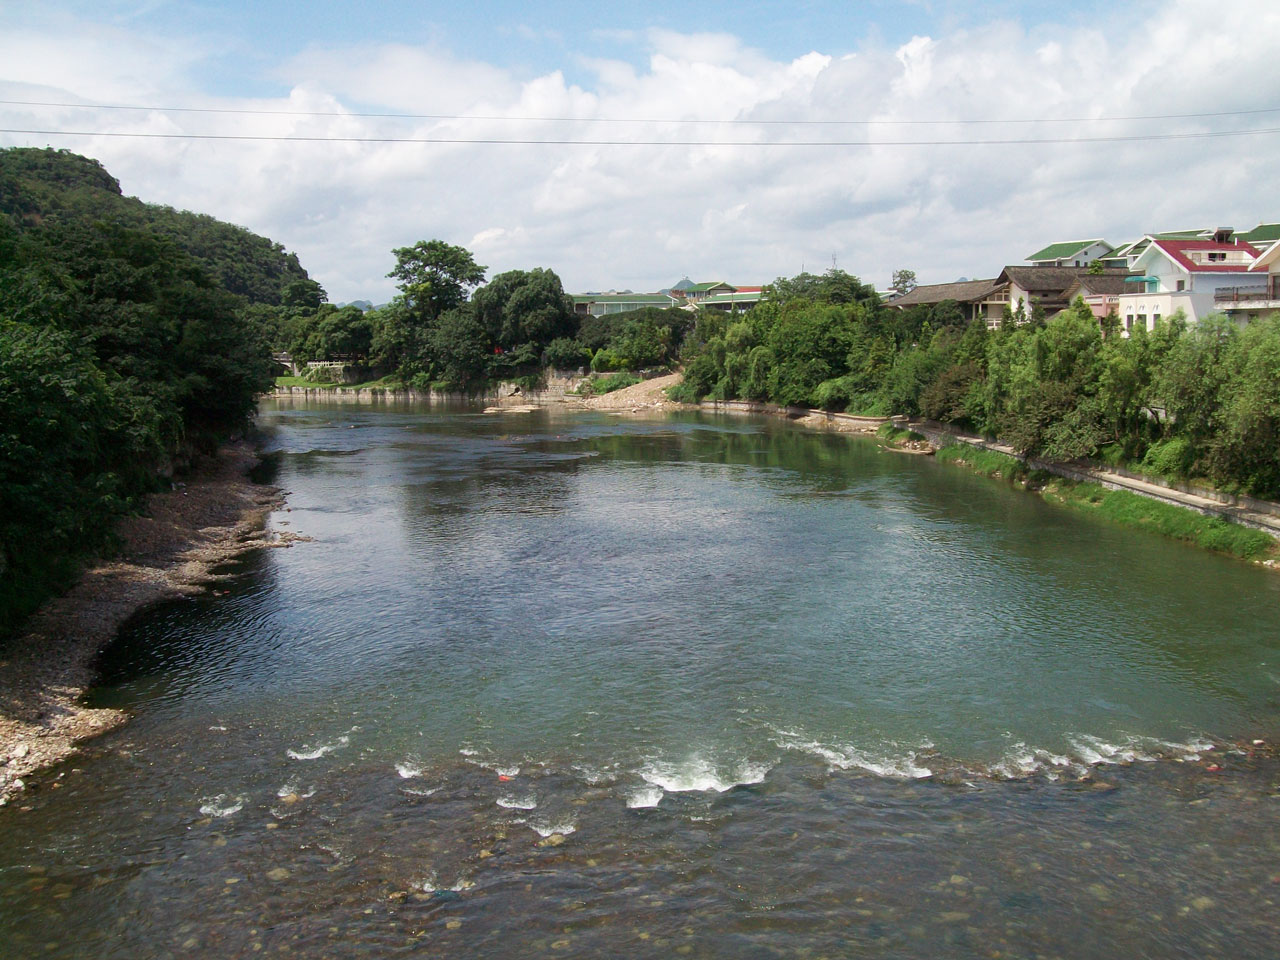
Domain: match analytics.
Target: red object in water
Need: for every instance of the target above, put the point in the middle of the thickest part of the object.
(503, 776)
(1213, 768)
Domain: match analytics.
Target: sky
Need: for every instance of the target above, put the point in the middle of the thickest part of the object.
(721, 141)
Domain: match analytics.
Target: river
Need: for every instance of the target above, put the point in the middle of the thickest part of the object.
(582, 685)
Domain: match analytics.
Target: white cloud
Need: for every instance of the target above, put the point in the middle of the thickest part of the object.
(640, 216)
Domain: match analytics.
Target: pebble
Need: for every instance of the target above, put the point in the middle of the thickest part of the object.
(278, 874)
(1202, 903)
(552, 841)
(453, 925)
(20, 751)
(958, 880)
(953, 916)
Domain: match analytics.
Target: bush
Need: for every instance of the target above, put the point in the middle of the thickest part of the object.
(606, 361)
(1169, 458)
(565, 353)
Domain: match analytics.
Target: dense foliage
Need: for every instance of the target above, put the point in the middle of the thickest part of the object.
(449, 329)
(1182, 401)
(127, 340)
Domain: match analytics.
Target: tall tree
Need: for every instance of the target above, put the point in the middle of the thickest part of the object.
(435, 276)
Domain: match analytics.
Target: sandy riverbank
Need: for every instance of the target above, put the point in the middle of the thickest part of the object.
(169, 552)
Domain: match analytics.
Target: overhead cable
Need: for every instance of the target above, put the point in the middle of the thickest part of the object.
(519, 141)
(741, 121)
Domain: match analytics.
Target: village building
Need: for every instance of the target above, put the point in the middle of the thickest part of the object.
(1196, 276)
(1258, 292)
(1044, 288)
(1100, 292)
(1070, 253)
(979, 299)
(601, 304)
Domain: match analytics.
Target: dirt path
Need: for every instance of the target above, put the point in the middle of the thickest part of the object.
(649, 395)
(216, 514)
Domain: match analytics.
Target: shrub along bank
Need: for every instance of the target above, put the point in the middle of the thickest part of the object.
(1187, 402)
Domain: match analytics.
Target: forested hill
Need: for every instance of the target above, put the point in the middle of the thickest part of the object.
(37, 185)
(127, 340)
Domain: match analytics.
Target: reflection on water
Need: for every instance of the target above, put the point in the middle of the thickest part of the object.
(590, 686)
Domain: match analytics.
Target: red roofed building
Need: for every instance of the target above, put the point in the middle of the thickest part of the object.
(1186, 275)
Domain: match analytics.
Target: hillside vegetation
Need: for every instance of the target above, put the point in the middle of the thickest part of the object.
(127, 343)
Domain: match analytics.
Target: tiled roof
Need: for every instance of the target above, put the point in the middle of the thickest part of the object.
(1051, 282)
(965, 291)
(1177, 250)
(1063, 251)
(704, 287)
(1102, 285)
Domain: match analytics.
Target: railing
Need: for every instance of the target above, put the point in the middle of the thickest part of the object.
(1240, 293)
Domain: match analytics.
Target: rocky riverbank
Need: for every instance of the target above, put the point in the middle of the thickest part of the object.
(169, 551)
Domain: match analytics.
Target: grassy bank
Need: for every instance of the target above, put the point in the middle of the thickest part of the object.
(989, 463)
(1180, 523)
(1123, 507)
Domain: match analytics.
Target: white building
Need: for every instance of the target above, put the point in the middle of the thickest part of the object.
(1184, 275)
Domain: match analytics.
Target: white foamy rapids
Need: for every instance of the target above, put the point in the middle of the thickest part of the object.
(314, 753)
(1021, 761)
(1095, 751)
(839, 756)
(545, 828)
(518, 803)
(408, 769)
(468, 752)
(419, 791)
(595, 776)
(291, 788)
(698, 775)
(223, 805)
(646, 797)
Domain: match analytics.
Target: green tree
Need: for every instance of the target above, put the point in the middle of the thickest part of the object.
(434, 277)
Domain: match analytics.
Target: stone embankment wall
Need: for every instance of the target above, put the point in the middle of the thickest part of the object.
(556, 389)
(842, 422)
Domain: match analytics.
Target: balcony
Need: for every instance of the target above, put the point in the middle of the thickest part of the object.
(1237, 294)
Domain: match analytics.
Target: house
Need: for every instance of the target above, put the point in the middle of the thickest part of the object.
(742, 298)
(1044, 287)
(1256, 295)
(600, 304)
(1070, 253)
(1100, 291)
(979, 299)
(1186, 275)
(700, 291)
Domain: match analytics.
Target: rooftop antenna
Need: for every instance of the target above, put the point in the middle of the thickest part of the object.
(833, 261)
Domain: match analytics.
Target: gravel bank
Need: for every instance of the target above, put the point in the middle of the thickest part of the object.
(209, 518)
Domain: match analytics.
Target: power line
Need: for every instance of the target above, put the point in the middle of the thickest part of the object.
(1007, 141)
(668, 120)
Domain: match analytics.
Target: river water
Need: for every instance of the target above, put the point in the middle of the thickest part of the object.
(585, 685)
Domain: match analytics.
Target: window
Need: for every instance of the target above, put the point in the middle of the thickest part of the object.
(1142, 319)
(1182, 284)
(1217, 256)
(1128, 322)
(1155, 319)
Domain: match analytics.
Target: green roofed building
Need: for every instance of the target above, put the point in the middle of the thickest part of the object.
(1070, 253)
(600, 304)
(1263, 236)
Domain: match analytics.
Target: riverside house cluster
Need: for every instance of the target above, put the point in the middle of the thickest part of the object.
(1140, 282)
(1196, 271)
